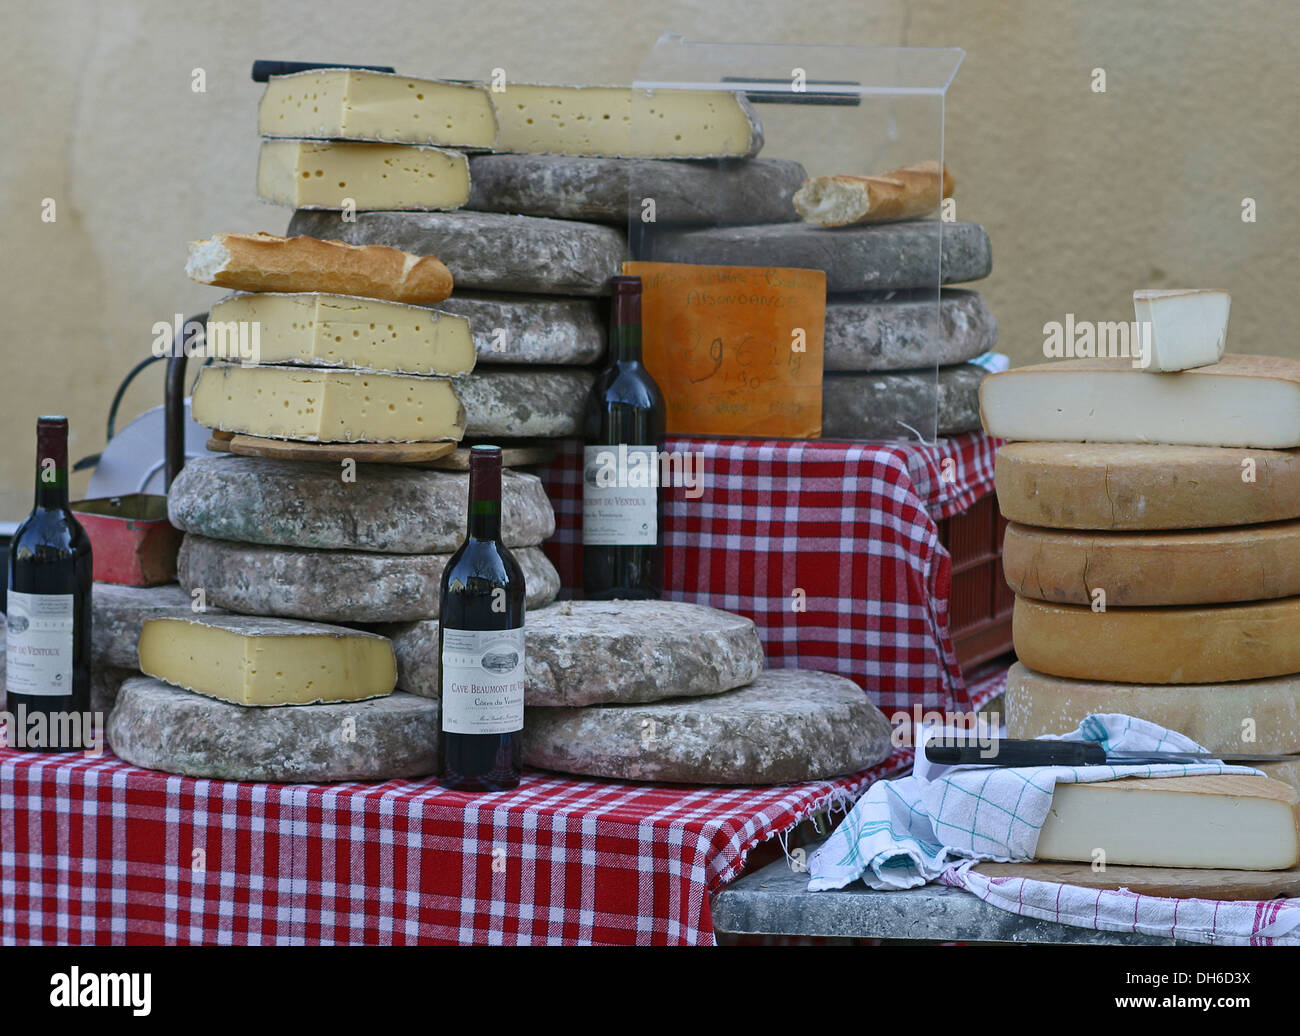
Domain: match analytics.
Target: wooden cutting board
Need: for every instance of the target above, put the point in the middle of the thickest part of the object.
(369, 452)
(518, 456)
(1172, 882)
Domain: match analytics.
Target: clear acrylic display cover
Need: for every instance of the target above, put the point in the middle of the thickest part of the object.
(834, 110)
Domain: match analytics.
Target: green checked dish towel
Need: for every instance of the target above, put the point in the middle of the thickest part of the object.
(908, 832)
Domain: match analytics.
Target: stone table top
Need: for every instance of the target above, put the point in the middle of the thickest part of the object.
(775, 900)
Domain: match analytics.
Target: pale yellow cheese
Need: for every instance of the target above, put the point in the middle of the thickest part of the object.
(1209, 644)
(1246, 401)
(1247, 716)
(256, 661)
(617, 121)
(1065, 485)
(319, 330)
(1232, 821)
(309, 174)
(1136, 569)
(327, 405)
(354, 104)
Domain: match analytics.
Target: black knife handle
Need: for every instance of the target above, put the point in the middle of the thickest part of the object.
(263, 70)
(1007, 752)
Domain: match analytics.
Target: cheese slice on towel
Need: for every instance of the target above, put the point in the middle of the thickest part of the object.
(1232, 821)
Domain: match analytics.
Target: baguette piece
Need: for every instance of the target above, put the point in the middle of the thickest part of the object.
(268, 262)
(838, 201)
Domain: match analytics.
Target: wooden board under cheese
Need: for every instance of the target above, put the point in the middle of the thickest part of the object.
(1136, 486)
(1247, 401)
(1246, 716)
(320, 174)
(1209, 644)
(357, 104)
(258, 661)
(1143, 569)
(318, 405)
(1231, 821)
(318, 330)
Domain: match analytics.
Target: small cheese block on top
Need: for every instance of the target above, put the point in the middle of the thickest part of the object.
(1233, 821)
(1188, 328)
(1246, 716)
(317, 405)
(619, 122)
(318, 330)
(357, 104)
(1142, 569)
(267, 262)
(313, 174)
(1210, 644)
(1248, 401)
(256, 661)
(1065, 485)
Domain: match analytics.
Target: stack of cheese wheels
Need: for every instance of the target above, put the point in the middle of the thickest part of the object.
(1155, 541)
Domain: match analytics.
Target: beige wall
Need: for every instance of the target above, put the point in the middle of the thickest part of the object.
(1085, 195)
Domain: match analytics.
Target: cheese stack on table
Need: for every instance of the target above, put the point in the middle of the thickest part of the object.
(1154, 544)
(533, 231)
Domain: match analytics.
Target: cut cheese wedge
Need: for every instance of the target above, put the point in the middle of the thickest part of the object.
(1189, 328)
(1233, 821)
(1247, 716)
(619, 122)
(255, 661)
(318, 405)
(1249, 401)
(1140, 569)
(1211, 644)
(308, 174)
(318, 330)
(355, 104)
(1131, 486)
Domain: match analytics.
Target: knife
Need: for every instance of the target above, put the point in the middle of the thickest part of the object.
(263, 70)
(1008, 752)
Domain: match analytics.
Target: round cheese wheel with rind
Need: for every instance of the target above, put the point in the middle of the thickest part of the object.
(1209, 644)
(1246, 716)
(1062, 485)
(1136, 569)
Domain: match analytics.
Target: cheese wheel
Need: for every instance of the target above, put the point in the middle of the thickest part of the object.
(1138, 569)
(1130, 486)
(1210, 644)
(1223, 717)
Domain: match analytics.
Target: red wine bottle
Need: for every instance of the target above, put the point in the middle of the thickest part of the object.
(47, 644)
(623, 429)
(481, 644)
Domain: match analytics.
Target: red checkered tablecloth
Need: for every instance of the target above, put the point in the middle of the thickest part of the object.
(832, 548)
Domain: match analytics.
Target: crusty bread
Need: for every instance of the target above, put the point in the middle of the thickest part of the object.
(267, 262)
(837, 201)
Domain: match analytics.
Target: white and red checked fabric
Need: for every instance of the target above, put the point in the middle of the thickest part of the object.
(97, 851)
(832, 548)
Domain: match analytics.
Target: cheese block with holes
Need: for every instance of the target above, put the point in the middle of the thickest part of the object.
(357, 104)
(1206, 644)
(257, 661)
(318, 405)
(318, 330)
(1135, 486)
(1135, 569)
(317, 174)
(1234, 821)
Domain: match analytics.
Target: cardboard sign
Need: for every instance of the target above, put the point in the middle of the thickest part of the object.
(736, 350)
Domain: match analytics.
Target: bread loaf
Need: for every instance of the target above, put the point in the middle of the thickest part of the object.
(267, 262)
(837, 201)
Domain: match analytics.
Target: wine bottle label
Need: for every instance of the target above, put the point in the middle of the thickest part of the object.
(482, 681)
(38, 644)
(620, 496)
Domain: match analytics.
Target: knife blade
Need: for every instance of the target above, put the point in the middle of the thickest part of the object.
(1011, 752)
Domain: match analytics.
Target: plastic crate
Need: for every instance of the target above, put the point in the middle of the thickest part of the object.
(979, 612)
